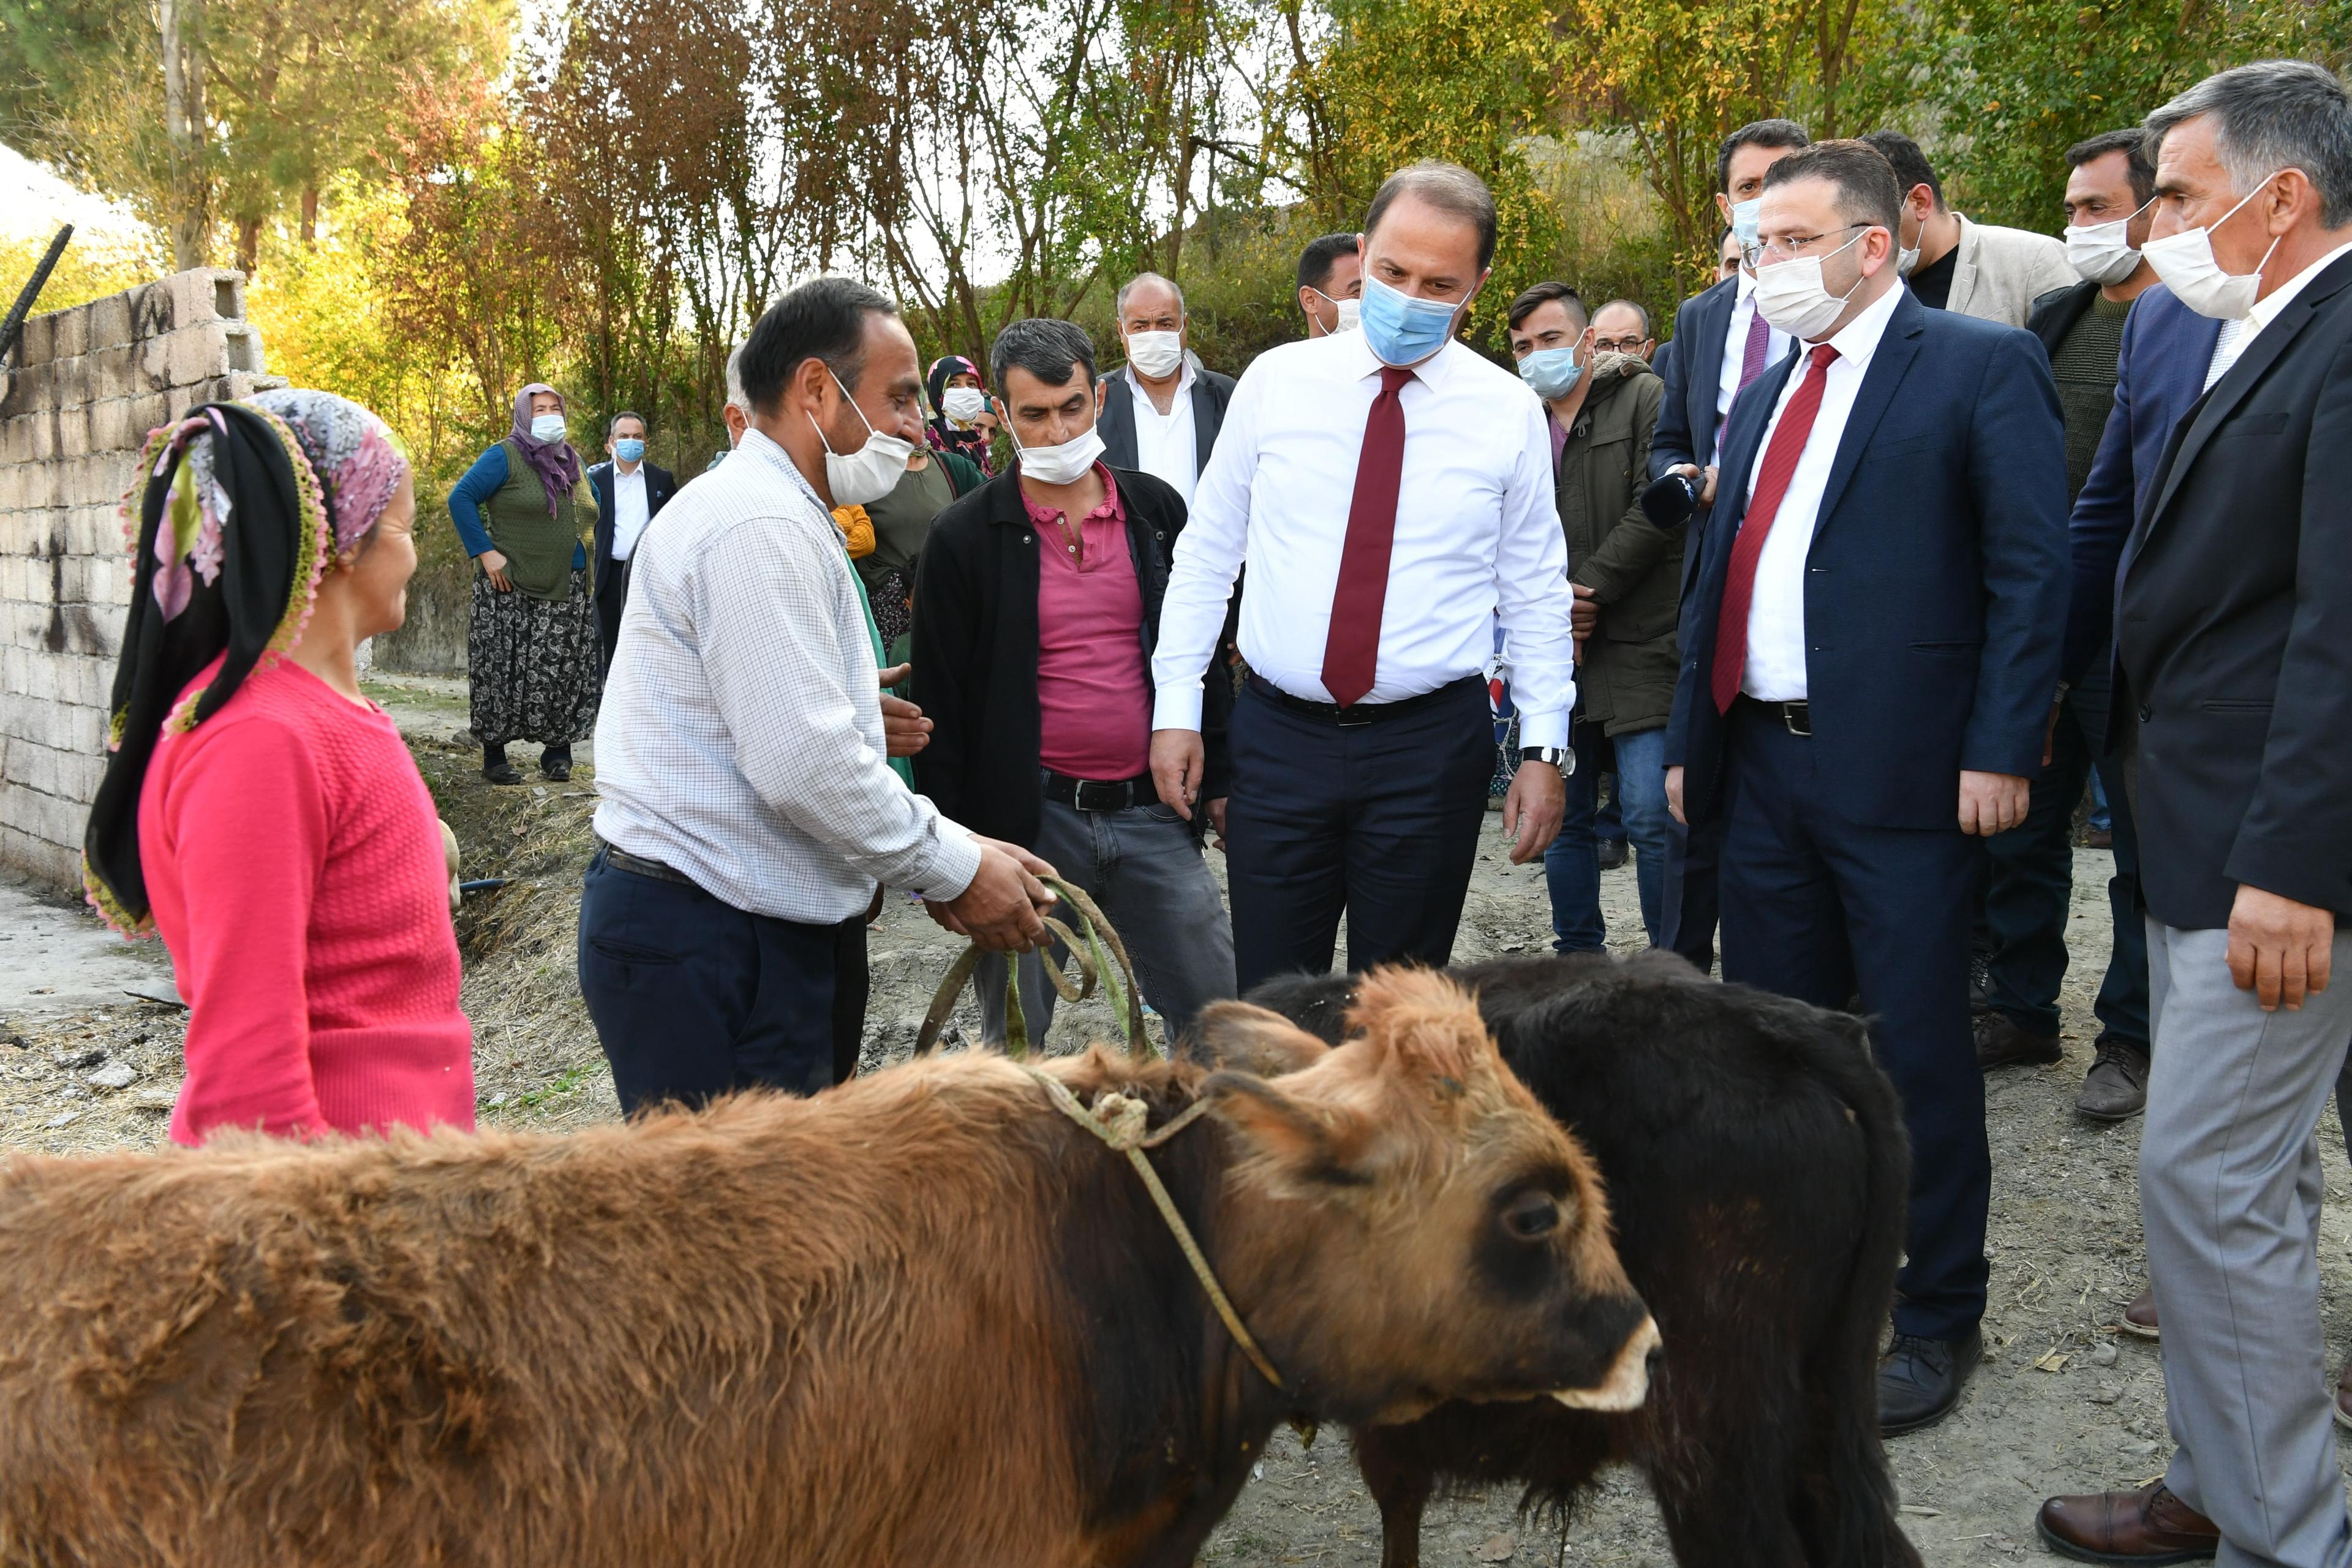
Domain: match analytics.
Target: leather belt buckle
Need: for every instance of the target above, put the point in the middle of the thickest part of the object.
(1092, 794)
(1798, 716)
(1357, 717)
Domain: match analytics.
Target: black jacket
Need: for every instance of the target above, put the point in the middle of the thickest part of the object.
(975, 650)
(2055, 313)
(660, 485)
(2233, 629)
(1210, 393)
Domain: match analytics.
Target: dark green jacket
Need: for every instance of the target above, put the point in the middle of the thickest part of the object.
(1627, 678)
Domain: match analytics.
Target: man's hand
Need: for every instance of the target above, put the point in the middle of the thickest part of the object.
(905, 731)
(1216, 810)
(1706, 478)
(2279, 950)
(1992, 802)
(1000, 909)
(1532, 810)
(1177, 759)
(1674, 794)
(494, 565)
(1583, 612)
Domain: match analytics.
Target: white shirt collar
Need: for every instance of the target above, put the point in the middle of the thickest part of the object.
(2268, 308)
(1745, 286)
(761, 450)
(1183, 387)
(1858, 339)
(1431, 370)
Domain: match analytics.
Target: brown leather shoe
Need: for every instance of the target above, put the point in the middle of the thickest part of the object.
(2149, 1525)
(2344, 1396)
(2115, 1089)
(2139, 1318)
(2003, 1042)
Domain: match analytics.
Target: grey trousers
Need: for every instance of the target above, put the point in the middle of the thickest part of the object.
(2229, 1190)
(1147, 871)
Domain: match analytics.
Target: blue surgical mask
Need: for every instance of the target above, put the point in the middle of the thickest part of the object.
(629, 450)
(547, 427)
(1402, 329)
(1745, 218)
(1553, 372)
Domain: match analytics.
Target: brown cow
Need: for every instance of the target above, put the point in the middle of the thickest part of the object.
(921, 1320)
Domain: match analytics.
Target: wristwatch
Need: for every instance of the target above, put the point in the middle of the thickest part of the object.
(1560, 757)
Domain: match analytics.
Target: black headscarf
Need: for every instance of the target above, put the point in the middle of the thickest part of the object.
(242, 589)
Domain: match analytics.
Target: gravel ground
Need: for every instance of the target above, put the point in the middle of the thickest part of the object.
(2063, 1401)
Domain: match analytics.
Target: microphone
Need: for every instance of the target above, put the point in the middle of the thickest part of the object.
(1670, 501)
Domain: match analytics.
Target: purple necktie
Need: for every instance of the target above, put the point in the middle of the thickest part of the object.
(1760, 339)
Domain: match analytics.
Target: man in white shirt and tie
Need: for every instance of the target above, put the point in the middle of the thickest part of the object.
(1390, 491)
(629, 491)
(1870, 651)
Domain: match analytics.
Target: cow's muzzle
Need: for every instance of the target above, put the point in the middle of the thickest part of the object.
(1628, 1383)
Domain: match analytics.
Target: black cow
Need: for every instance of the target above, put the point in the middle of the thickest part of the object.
(1757, 1169)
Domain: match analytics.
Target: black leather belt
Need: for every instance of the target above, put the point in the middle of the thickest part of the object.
(1099, 795)
(1797, 718)
(639, 866)
(1357, 714)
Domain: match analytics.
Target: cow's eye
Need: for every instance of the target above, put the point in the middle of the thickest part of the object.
(1531, 1216)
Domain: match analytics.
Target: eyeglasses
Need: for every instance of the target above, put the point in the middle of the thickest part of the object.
(1795, 246)
(1625, 345)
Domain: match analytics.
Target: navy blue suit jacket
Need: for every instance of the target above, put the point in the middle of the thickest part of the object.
(1685, 432)
(1936, 585)
(660, 485)
(2159, 375)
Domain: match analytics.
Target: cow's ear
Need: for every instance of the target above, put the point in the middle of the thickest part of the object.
(1255, 1040)
(1420, 1023)
(1306, 1142)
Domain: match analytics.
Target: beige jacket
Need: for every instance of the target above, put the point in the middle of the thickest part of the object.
(2001, 271)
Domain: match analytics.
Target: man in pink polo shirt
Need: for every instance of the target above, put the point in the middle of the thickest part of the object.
(1037, 609)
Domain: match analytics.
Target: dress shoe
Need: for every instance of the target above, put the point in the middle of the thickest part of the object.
(2139, 1318)
(2115, 1089)
(2149, 1525)
(502, 772)
(558, 772)
(1613, 854)
(2003, 1042)
(1919, 1380)
(2099, 838)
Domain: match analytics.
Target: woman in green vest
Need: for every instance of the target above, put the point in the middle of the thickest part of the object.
(526, 517)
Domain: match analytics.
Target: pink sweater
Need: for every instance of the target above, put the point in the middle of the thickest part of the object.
(295, 869)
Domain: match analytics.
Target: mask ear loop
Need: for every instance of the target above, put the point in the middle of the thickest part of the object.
(853, 408)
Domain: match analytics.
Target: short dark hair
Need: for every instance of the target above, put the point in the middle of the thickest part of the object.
(1637, 307)
(615, 422)
(1865, 179)
(1756, 133)
(1451, 189)
(2274, 115)
(2132, 142)
(1047, 348)
(823, 319)
(1321, 255)
(1543, 294)
(1912, 169)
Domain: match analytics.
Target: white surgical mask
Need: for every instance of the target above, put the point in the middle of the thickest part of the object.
(1156, 354)
(547, 427)
(2099, 252)
(1793, 299)
(1059, 465)
(1349, 311)
(963, 404)
(870, 472)
(1907, 260)
(2186, 263)
(1745, 217)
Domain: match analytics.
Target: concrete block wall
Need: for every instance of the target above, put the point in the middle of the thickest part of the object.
(76, 404)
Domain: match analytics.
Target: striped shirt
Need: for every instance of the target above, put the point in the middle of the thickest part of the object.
(741, 741)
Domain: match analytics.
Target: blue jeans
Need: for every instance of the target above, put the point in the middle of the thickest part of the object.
(1572, 864)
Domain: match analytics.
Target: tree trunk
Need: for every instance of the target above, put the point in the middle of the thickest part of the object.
(309, 215)
(184, 125)
(249, 244)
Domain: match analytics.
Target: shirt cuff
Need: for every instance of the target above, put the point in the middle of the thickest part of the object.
(954, 866)
(1543, 729)
(1177, 707)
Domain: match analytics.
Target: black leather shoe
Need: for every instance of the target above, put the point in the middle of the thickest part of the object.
(1919, 1380)
(2115, 1089)
(556, 764)
(2003, 1042)
(1614, 853)
(502, 772)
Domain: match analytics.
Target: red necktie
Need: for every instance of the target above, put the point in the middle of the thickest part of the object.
(1760, 342)
(1351, 649)
(1771, 484)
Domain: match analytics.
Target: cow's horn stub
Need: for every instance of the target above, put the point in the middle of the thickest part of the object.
(1628, 1384)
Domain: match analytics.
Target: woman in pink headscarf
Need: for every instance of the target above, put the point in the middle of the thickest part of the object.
(526, 516)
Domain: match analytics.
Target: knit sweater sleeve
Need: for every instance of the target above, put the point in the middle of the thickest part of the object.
(247, 819)
(480, 483)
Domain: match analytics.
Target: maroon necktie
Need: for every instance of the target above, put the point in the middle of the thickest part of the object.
(1351, 649)
(1760, 342)
(1771, 484)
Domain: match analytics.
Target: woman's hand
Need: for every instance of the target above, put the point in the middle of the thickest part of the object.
(494, 565)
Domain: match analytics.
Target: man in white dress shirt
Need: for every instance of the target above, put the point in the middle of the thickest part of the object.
(1870, 650)
(1161, 413)
(1390, 490)
(630, 492)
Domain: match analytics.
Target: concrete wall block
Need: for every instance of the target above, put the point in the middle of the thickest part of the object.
(39, 339)
(111, 428)
(16, 440)
(149, 410)
(110, 373)
(151, 373)
(72, 333)
(154, 309)
(53, 863)
(244, 341)
(24, 717)
(49, 817)
(195, 354)
(110, 321)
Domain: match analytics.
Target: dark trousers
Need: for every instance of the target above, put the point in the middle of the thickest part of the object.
(1379, 820)
(1690, 906)
(2032, 886)
(693, 997)
(1814, 905)
(612, 598)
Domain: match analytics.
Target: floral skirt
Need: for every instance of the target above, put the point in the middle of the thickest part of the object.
(532, 665)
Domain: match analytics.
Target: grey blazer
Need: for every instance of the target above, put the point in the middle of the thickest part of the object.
(2001, 271)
